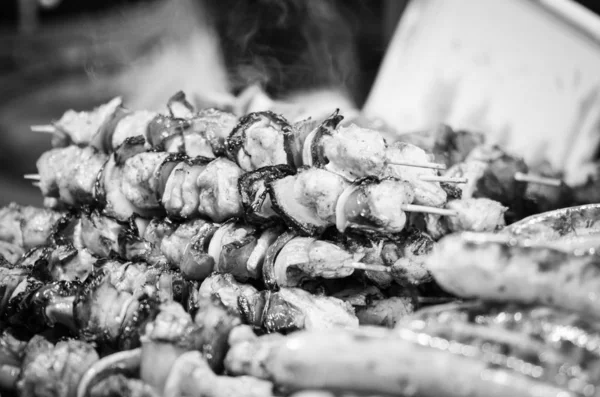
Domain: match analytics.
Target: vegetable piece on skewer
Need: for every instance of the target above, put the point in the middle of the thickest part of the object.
(261, 139)
(208, 133)
(179, 106)
(254, 194)
(297, 215)
(165, 133)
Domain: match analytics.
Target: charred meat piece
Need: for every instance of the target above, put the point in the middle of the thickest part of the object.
(215, 322)
(426, 193)
(217, 185)
(140, 178)
(498, 182)
(110, 313)
(476, 215)
(10, 252)
(35, 306)
(100, 234)
(589, 191)
(454, 146)
(54, 370)
(82, 128)
(352, 152)
(319, 190)
(413, 249)
(225, 288)
(259, 140)
(108, 191)
(472, 170)
(291, 309)
(170, 334)
(27, 226)
(385, 312)
(63, 263)
(181, 198)
(69, 173)
(304, 258)
(12, 274)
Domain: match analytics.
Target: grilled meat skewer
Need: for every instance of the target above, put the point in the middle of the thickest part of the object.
(431, 359)
(148, 183)
(499, 267)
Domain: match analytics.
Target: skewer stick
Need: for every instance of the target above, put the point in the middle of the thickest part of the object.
(531, 178)
(364, 266)
(45, 129)
(435, 166)
(447, 179)
(433, 300)
(428, 210)
(33, 177)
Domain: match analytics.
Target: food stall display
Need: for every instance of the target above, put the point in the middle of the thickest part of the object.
(195, 253)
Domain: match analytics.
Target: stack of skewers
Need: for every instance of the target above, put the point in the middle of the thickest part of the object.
(193, 253)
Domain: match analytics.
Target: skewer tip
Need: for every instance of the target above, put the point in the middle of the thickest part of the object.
(428, 210)
(33, 177)
(435, 166)
(446, 179)
(540, 180)
(44, 129)
(373, 268)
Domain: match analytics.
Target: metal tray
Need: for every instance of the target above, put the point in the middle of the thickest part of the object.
(573, 228)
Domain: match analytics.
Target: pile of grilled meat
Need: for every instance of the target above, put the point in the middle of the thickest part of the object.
(195, 253)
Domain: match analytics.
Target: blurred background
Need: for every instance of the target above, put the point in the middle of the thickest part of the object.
(68, 54)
